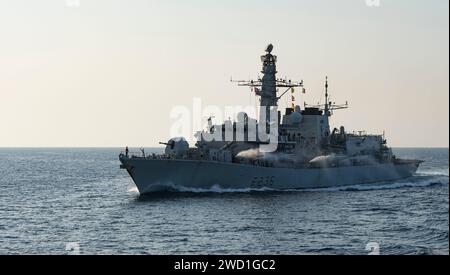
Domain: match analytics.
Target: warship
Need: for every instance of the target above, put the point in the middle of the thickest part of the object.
(296, 150)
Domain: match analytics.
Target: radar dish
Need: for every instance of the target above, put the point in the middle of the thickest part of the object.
(269, 48)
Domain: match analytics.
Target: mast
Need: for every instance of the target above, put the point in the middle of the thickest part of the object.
(326, 96)
(328, 107)
(268, 92)
(267, 86)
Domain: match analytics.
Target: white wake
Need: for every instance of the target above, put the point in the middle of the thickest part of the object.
(420, 180)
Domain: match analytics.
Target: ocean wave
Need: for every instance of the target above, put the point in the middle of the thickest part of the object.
(218, 189)
(133, 189)
(433, 173)
(417, 181)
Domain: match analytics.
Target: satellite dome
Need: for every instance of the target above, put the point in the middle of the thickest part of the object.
(269, 48)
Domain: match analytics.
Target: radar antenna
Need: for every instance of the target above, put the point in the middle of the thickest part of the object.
(267, 86)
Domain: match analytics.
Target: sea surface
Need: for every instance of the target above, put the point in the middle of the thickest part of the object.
(60, 201)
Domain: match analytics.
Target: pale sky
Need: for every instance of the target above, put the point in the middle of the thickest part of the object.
(107, 73)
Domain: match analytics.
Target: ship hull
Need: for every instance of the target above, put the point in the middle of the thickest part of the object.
(153, 175)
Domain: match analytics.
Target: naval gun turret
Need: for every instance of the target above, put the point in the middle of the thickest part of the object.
(177, 147)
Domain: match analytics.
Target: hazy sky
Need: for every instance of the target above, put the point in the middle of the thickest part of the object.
(108, 72)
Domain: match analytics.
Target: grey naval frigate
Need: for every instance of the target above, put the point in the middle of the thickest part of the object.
(297, 150)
